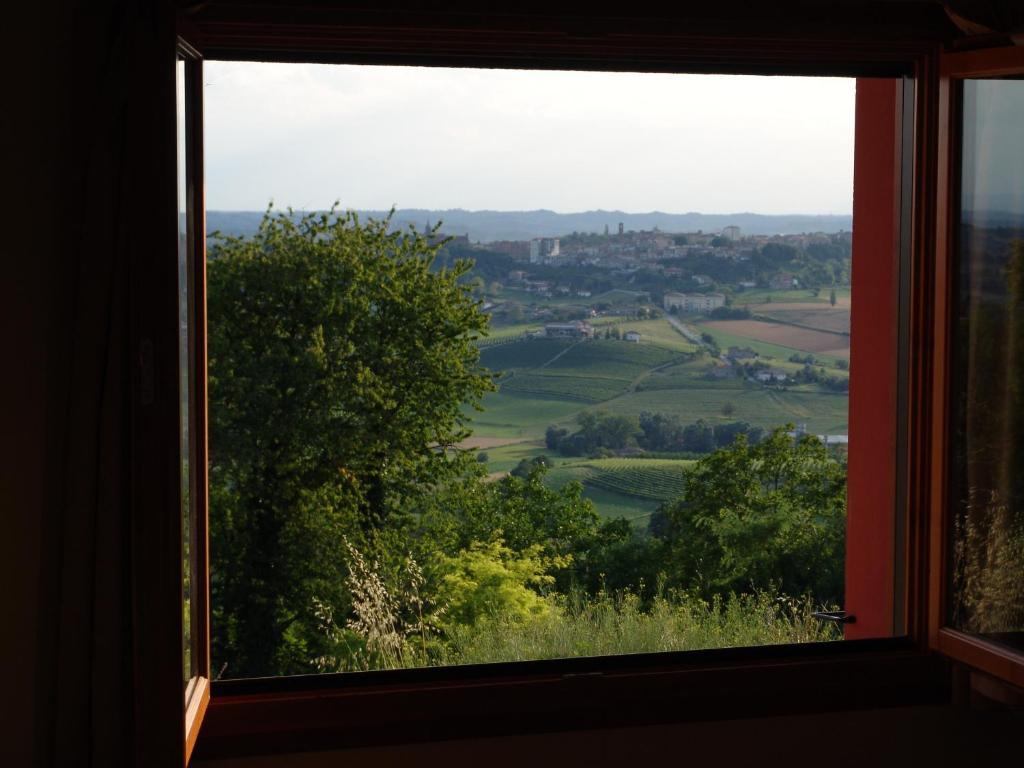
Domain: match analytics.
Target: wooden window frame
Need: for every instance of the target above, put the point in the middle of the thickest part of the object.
(976, 652)
(302, 713)
(197, 691)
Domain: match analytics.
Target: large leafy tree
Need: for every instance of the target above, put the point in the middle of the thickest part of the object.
(523, 510)
(765, 516)
(340, 359)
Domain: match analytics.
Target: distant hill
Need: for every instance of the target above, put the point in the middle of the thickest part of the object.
(486, 226)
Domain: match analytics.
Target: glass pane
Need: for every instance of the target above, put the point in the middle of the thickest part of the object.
(986, 535)
(184, 369)
(528, 415)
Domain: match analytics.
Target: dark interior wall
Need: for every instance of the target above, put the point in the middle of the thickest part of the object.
(83, 127)
(86, 131)
(31, 256)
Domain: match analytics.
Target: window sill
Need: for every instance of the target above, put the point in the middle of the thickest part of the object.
(377, 708)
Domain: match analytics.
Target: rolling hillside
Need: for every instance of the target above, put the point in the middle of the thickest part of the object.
(545, 382)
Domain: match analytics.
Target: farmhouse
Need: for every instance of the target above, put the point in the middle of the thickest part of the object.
(577, 329)
(771, 375)
(693, 302)
(633, 336)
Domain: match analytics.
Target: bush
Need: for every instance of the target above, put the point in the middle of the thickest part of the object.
(489, 581)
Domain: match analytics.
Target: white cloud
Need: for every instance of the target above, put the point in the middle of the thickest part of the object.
(305, 135)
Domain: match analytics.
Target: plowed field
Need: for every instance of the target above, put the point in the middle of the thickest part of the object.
(785, 336)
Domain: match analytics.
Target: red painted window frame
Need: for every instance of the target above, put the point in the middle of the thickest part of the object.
(872, 477)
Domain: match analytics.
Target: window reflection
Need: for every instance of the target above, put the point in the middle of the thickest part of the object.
(987, 524)
(183, 367)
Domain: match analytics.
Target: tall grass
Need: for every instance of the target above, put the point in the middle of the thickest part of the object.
(617, 624)
(400, 627)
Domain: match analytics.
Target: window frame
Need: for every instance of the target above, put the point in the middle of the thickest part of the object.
(197, 691)
(301, 713)
(977, 652)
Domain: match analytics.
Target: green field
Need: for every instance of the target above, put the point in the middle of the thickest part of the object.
(585, 389)
(609, 358)
(622, 487)
(629, 488)
(660, 333)
(506, 457)
(690, 375)
(802, 296)
(508, 414)
(820, 361)
(823, 412)
(526, 297)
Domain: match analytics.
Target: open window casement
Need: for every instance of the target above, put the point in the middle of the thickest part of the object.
(976, 589)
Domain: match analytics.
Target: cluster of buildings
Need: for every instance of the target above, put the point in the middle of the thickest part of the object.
(633, 250)
(581, 329)
(623, 250)
(575, 329)
(517, 278)
(646, 249)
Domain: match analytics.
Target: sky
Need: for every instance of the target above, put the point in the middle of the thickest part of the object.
(306, 135)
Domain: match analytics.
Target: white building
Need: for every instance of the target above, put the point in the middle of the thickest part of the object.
(543, 248)
(693, 302)
(771, 375)
(731, 233)
(633, 336)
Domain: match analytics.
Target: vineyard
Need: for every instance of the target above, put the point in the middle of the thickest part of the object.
(651, 479)
(585, 389)
(520, 355)
(611, 359)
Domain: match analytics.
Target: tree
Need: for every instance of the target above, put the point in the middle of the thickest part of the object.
(525, 510)
(771, 515)
(477, 285)
(728, 409)
(832, 297)
(339, 363)
(699, 437)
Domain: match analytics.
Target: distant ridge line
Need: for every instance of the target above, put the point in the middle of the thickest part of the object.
(487, 226)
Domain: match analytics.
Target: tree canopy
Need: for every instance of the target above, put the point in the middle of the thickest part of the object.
(339, 364)
(770, 515)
